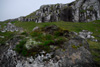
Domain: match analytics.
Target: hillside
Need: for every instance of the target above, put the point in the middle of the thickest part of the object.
(70, 26)
(56, 35)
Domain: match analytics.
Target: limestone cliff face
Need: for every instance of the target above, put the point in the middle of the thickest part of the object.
(77, 11)
(86, 10)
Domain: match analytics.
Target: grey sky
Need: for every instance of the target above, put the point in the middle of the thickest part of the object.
(15, 8)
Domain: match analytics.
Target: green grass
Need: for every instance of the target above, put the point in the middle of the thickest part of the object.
(7, 36)
(95, 50)
(3, 23)
(77, 27)
(65, 25)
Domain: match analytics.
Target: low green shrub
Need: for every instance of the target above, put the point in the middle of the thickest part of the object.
(20, 48)
(60, 40)
(57, 33)
(35, 34)
(7, 36)
(39, 36)
(48, 42)
(83, 11)
(48, 37)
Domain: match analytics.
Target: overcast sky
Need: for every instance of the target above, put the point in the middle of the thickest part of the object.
(15, 8)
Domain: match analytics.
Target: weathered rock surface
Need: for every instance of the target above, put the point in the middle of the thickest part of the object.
(11, 27)
(74, 53)
(25, 19)
(86, 34)
(77, 11)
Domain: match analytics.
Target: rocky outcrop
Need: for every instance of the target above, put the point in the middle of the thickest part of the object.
(24, 19)
(85, 34)
(77, 11)
(11, 27)
(74, 52)
(86, 10)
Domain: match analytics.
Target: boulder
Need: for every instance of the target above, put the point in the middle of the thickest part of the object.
(11, 27)
(86, 34)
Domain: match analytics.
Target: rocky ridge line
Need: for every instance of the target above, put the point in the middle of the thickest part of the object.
(77, 11)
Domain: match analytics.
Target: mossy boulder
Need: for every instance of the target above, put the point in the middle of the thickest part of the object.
(46, 49)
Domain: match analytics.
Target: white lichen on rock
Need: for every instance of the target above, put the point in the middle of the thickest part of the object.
(31, 43)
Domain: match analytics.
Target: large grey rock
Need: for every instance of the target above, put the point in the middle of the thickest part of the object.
(11, 27)
(86, 34)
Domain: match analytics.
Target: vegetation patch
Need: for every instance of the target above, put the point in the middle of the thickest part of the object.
(24, 33)
(27, 48)
(5, 36)
(20, 48)
(83, 11)
(2, 24)
(95, 50)
(75, 47)
(39, 41)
